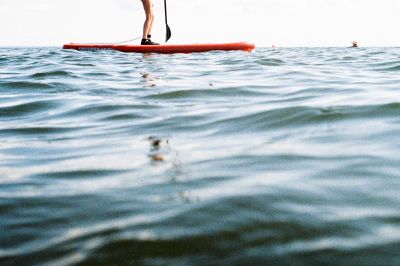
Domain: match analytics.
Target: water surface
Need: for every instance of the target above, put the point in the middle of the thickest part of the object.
(278, 157)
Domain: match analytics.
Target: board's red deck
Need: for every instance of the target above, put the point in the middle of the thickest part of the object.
(166, 48)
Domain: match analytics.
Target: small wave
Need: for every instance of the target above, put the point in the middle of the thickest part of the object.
(84, 64)
(302, 116)
(342, 59)
(395, 68)
(182, 94)
(234, 91)
(122, 117)
(97, 74)
(57, 74)
(349, 58)
(26, 108)
(52, 52)
(111, 110)
(78, 174)
(377, 53)
(25, 85)
(231, 61)
(386, 66)
(271, 62)
(35, 131)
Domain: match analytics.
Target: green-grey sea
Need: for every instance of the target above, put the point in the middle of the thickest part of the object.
(285, 156)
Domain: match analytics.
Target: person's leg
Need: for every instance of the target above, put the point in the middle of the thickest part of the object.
(151, 23)
(148, 9)
(148, 24)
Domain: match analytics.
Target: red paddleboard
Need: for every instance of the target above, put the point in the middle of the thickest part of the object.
(165, 48)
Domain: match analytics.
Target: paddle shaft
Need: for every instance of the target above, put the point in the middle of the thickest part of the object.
(168, 35)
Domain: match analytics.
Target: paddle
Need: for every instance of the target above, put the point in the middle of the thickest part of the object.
(166, 23)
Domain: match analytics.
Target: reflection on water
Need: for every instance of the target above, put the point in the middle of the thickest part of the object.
(155, 150)
(161, 154)
(150, 80)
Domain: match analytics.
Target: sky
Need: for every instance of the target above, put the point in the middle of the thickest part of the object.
(285, 23)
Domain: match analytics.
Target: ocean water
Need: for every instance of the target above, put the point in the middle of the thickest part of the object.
(287, 156)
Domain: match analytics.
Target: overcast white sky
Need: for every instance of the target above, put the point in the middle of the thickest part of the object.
(265, 22)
